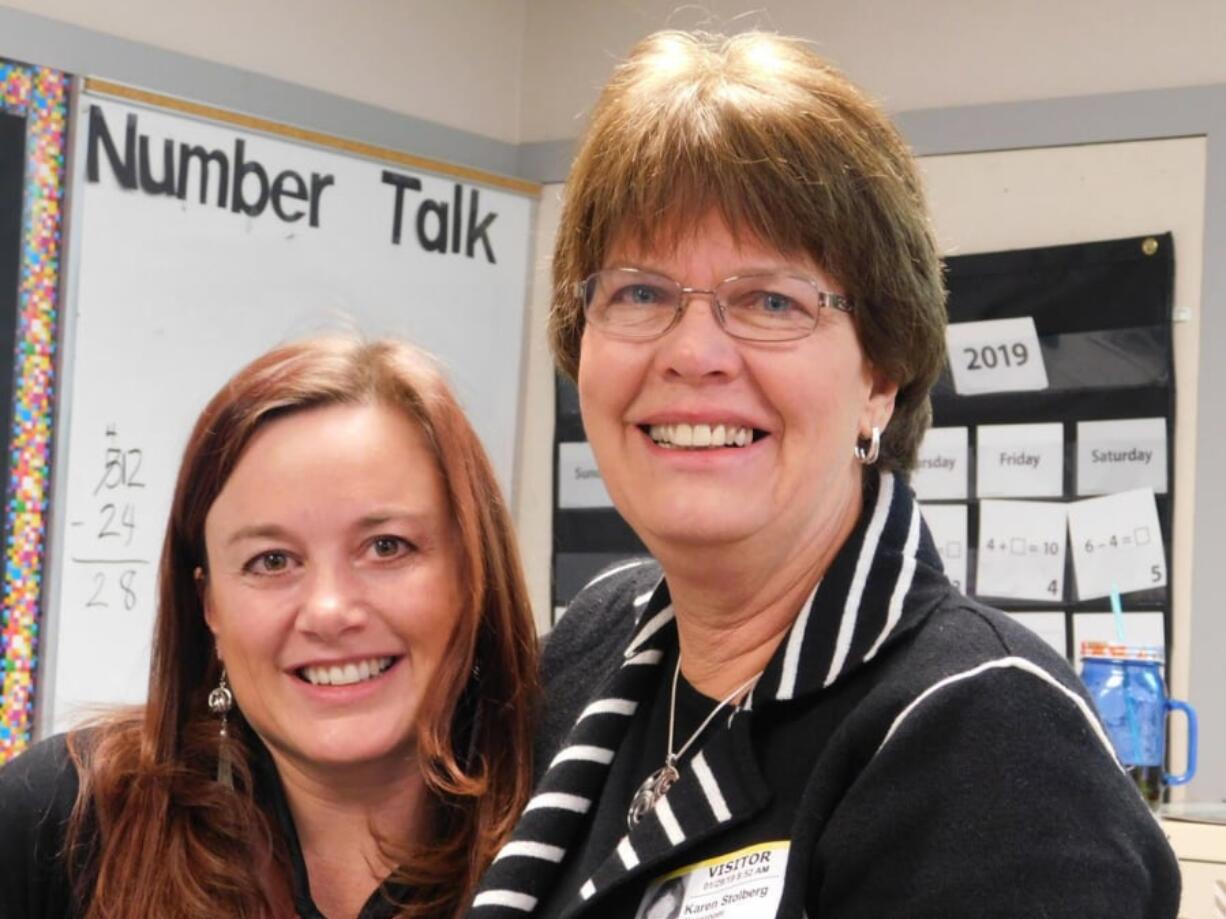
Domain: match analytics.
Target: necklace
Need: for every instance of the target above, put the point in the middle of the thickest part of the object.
(656, 785)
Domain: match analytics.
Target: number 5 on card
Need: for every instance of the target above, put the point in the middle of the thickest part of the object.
(998, 355)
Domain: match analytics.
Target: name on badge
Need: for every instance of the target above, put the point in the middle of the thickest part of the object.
(745, 884)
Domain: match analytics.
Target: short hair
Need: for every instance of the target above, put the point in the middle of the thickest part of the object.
(475, 725)
(760, 129)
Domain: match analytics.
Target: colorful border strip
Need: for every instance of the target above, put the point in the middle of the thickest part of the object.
(40, 95)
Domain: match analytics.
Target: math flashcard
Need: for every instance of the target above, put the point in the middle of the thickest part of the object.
(1021, 550)
(1117, 543)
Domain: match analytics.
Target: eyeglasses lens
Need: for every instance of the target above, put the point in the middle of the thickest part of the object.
(633, 304)
(642, 305)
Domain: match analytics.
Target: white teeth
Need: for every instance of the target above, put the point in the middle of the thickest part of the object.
(346, 675)
(701, 436)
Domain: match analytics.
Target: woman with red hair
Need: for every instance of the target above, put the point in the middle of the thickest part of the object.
(343, 670)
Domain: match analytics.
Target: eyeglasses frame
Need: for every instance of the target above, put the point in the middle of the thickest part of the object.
(825, 299)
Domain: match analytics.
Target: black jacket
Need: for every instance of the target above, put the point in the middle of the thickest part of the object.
(917, 754)
(37, 792)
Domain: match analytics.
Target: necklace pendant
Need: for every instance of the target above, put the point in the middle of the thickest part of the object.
(654, 787)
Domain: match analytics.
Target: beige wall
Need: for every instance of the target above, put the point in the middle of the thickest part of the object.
(527, 70)
(454, 62)
(911, 55)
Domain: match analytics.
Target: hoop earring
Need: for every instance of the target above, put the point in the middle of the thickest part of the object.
(868, 455)
(221, 700)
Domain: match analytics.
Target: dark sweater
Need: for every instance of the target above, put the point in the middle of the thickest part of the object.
(37, 792)
(916, 754)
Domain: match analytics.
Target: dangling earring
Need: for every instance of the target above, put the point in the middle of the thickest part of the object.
(868, 455)
(221, 700)
(472, 697)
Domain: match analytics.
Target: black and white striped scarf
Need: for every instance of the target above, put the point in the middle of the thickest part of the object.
(884, 579)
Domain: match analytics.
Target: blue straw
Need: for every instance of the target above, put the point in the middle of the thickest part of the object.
(1134, 729)
(1117, 610)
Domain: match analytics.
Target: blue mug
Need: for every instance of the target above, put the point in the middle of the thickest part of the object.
(1126, 686)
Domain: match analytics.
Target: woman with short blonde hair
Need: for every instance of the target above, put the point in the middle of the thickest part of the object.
(790, 711)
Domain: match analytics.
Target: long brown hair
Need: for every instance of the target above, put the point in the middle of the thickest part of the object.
(761, 130)
(153, 833)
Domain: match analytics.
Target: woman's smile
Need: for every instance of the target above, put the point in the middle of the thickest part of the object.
(701, 436)
(346, 673)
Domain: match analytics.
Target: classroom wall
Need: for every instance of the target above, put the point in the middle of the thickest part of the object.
(525, 72)
(453, 62)
(910, 55)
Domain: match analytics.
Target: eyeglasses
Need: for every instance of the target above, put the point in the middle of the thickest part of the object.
(641, 305)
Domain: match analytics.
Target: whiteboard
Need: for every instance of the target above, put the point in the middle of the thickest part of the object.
(194, 247)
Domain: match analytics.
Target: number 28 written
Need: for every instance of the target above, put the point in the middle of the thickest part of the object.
(108, 591)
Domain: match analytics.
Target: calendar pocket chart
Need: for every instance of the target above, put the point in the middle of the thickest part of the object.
(1061, 385)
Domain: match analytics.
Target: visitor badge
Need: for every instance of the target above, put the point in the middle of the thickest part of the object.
(745, 884)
